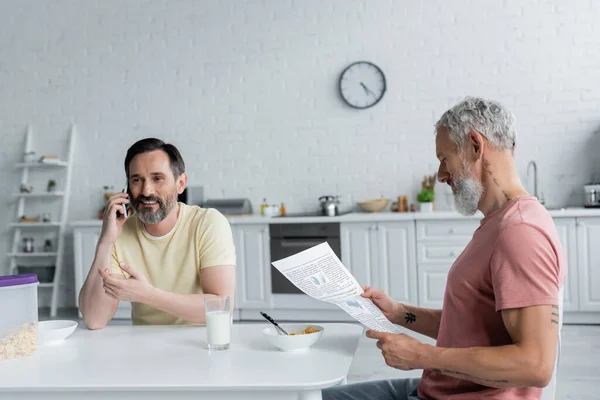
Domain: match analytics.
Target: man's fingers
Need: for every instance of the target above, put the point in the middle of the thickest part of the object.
(118, 196)
(113, 280)
(127, 268)
(116, 209)
(376, 335)
(110, 292)
(119, 201)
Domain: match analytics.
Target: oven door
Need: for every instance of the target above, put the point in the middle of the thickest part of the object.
(285, 247)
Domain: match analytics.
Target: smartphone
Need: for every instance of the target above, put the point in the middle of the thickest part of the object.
(126, 190)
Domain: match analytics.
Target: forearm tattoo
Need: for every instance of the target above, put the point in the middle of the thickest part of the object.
(555, 315)
(467, 376)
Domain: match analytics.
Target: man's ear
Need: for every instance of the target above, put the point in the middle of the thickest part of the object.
(181, 183)
(476, 143)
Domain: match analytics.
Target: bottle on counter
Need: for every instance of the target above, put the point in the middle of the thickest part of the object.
(282, 210)
(263, 206)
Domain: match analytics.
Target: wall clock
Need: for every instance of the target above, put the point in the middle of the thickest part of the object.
(362, 84)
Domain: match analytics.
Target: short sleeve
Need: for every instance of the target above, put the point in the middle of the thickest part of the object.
(115, 264)
(215, 245)
(524, 268)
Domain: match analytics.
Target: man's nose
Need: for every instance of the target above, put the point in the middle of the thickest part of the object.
(147, 189)
(442, 175)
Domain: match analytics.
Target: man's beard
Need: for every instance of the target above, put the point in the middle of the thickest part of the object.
(149, 216)
(468, 192)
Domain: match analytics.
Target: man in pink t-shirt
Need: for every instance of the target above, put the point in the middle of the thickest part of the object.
(497, 333)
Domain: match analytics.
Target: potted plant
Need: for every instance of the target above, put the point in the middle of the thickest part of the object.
(426, 195)
(51, 185)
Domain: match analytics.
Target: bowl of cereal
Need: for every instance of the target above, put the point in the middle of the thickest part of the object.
(299, 338)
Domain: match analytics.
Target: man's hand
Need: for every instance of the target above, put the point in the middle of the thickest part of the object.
(399, 350)
(388, 307)
(136, 288)
(113, 220)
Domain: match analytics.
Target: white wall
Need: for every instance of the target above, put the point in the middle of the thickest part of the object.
(248, 90)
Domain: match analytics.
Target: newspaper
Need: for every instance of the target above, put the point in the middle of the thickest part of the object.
(319, 273)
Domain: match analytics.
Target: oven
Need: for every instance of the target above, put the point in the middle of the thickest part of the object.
(289, 239)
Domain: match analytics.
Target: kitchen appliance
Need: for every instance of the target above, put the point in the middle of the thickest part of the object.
(230, 206)
(591, 195)
(330, 205)
(289, 239)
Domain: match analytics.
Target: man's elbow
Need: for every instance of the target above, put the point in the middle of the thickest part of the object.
(94, 324)
(541, 375)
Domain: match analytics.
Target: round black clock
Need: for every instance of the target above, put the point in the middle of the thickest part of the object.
(362, 84)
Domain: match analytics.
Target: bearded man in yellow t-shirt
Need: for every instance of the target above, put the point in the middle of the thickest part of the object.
(164, 256)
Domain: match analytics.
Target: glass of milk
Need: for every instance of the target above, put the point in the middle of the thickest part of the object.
(218, 322)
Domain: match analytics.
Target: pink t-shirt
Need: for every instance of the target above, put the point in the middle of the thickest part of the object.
(514, 260)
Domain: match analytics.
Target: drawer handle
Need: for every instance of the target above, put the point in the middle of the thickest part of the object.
(452, 230)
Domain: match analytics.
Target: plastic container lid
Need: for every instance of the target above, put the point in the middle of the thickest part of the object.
(16, 280)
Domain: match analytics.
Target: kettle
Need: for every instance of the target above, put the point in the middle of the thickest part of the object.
(330, 205)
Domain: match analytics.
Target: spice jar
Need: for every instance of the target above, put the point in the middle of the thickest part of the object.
(27, 245)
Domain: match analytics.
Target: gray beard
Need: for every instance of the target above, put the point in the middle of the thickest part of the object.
(467, 196)
(147, 216)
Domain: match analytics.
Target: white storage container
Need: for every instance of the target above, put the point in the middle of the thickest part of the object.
(18, 315)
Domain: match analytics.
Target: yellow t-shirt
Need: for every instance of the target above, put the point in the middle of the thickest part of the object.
(201, 238)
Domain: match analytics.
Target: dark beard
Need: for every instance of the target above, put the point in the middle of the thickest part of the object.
(147, 215)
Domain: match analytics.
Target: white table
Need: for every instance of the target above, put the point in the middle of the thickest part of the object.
(172, 362)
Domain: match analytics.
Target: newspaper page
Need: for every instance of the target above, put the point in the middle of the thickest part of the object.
(319, 273)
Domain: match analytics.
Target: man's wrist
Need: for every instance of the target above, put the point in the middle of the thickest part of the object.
(150, 296)
(429, 356)
(400, 312)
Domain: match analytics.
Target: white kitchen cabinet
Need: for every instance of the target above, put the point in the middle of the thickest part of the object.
(253, 270)
(397, 262)
(85, 239)
(567, 232)
(588, 241)
(359, 247)
(382, 255)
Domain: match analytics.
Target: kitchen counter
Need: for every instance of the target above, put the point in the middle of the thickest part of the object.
(568, 212)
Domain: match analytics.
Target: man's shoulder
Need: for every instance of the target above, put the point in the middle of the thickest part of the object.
(525, 215)
(201, 217)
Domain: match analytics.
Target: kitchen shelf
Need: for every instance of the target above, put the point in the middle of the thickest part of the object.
(35, 254)
(33, 195)
(21, 224)
(42, 165)
(35, 224)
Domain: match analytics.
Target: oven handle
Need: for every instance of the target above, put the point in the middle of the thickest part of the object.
(300, 243)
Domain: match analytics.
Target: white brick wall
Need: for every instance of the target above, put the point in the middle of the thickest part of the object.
(248, 90)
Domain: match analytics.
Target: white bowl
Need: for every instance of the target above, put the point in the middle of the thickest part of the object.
(52, 332)
(293, 342)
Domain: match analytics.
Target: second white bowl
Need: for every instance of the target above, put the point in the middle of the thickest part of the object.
(293, 342)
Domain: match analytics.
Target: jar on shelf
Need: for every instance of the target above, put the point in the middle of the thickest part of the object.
(27, 243)
(47, 246)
